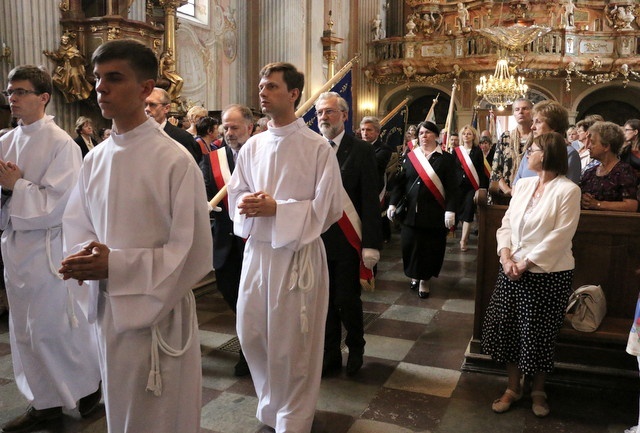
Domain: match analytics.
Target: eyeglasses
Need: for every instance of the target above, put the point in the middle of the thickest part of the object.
(328, 112)
(19, 92)
(532, 150)
(629, 129)
(154, 104)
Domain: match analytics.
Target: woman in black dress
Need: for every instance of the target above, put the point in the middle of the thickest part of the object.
(471, 177)
(430, 202)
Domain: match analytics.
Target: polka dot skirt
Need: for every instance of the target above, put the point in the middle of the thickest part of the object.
(523, 318)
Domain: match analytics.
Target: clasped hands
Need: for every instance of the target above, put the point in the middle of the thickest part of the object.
(257, 204)
(9, 174)
(90, 263)
(513, 270)
(587, 201)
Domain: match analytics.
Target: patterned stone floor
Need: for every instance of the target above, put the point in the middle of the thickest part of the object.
(411, 380)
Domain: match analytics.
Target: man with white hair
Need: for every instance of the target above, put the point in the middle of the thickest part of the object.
(360, 180)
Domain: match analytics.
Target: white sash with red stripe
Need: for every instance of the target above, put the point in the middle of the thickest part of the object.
(220, 169)
(351, 226)
(428, 175)
(468, 167)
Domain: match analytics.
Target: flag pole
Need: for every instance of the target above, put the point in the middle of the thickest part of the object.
(447, 124)
(431, 114)
(395, 110)
(333, 80)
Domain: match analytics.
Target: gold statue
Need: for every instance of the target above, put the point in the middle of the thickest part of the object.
(168, 72)
(69, 75)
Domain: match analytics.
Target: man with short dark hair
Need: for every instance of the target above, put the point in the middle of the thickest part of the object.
(284, 193)
(137, 226)
(53, 348)
(206, 133)
(157, 105)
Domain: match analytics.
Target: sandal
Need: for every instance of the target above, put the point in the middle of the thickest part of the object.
(500, 406)
(540, 410)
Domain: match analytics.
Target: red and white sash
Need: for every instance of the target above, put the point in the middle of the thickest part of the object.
(468, 167)
(220, 169)
(428, 175)
(204, 147)
(351, 226)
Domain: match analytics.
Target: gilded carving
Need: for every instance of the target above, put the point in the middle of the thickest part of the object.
(69, 74)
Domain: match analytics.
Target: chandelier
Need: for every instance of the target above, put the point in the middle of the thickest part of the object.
(501, 88)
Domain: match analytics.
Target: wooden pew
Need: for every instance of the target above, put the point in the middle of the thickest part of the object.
(607, 252)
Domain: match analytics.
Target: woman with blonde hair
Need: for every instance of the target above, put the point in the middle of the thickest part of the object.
(194, 114)
(471, 174)
(85, 138)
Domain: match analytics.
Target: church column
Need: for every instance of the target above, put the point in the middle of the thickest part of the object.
(365, 91)
(28, 28)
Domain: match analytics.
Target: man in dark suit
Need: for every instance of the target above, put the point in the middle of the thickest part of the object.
(370, 132)
(360, 180)
(237, 121)
(157, 105)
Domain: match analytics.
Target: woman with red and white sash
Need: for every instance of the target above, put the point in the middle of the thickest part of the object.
(428, 180)
(471, 176)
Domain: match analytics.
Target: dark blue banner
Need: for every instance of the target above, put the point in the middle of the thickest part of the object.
(392, 132)
(343, 88)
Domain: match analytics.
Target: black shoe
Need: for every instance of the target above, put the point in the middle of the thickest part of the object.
(423, 295)
(32, 418)
(413, 285)
(331, 363)
(241, 369)
(354, 363)
(89, 403)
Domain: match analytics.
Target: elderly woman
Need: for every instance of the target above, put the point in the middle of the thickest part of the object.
(527, 307)
(471, 177)
(427, 182)
(550, 116)
(85, 139)
(612, 185)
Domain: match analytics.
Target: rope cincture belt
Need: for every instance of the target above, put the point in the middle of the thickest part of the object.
(302, 278)
(154, 383)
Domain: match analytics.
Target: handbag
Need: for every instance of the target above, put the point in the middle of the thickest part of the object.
(589, 306)
(403, 203)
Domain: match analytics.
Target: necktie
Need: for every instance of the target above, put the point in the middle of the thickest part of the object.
(332, 143)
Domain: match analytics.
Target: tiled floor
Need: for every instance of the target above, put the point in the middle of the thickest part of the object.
(411, 380)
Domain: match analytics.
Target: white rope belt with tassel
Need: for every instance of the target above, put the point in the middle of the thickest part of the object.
(302, 278)
(154, 383)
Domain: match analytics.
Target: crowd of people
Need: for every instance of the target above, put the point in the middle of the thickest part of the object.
(291, 221)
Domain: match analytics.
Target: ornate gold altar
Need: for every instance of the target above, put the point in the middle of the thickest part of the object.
(585, 41)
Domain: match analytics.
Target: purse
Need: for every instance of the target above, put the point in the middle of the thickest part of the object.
(589, 306)
(403, 203)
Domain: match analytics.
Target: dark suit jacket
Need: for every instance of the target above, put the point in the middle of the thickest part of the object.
(223, 236)
(477, 159)
(383, 155)
(360, 179)
(83, 147)
(184, 138)
(423, 210)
